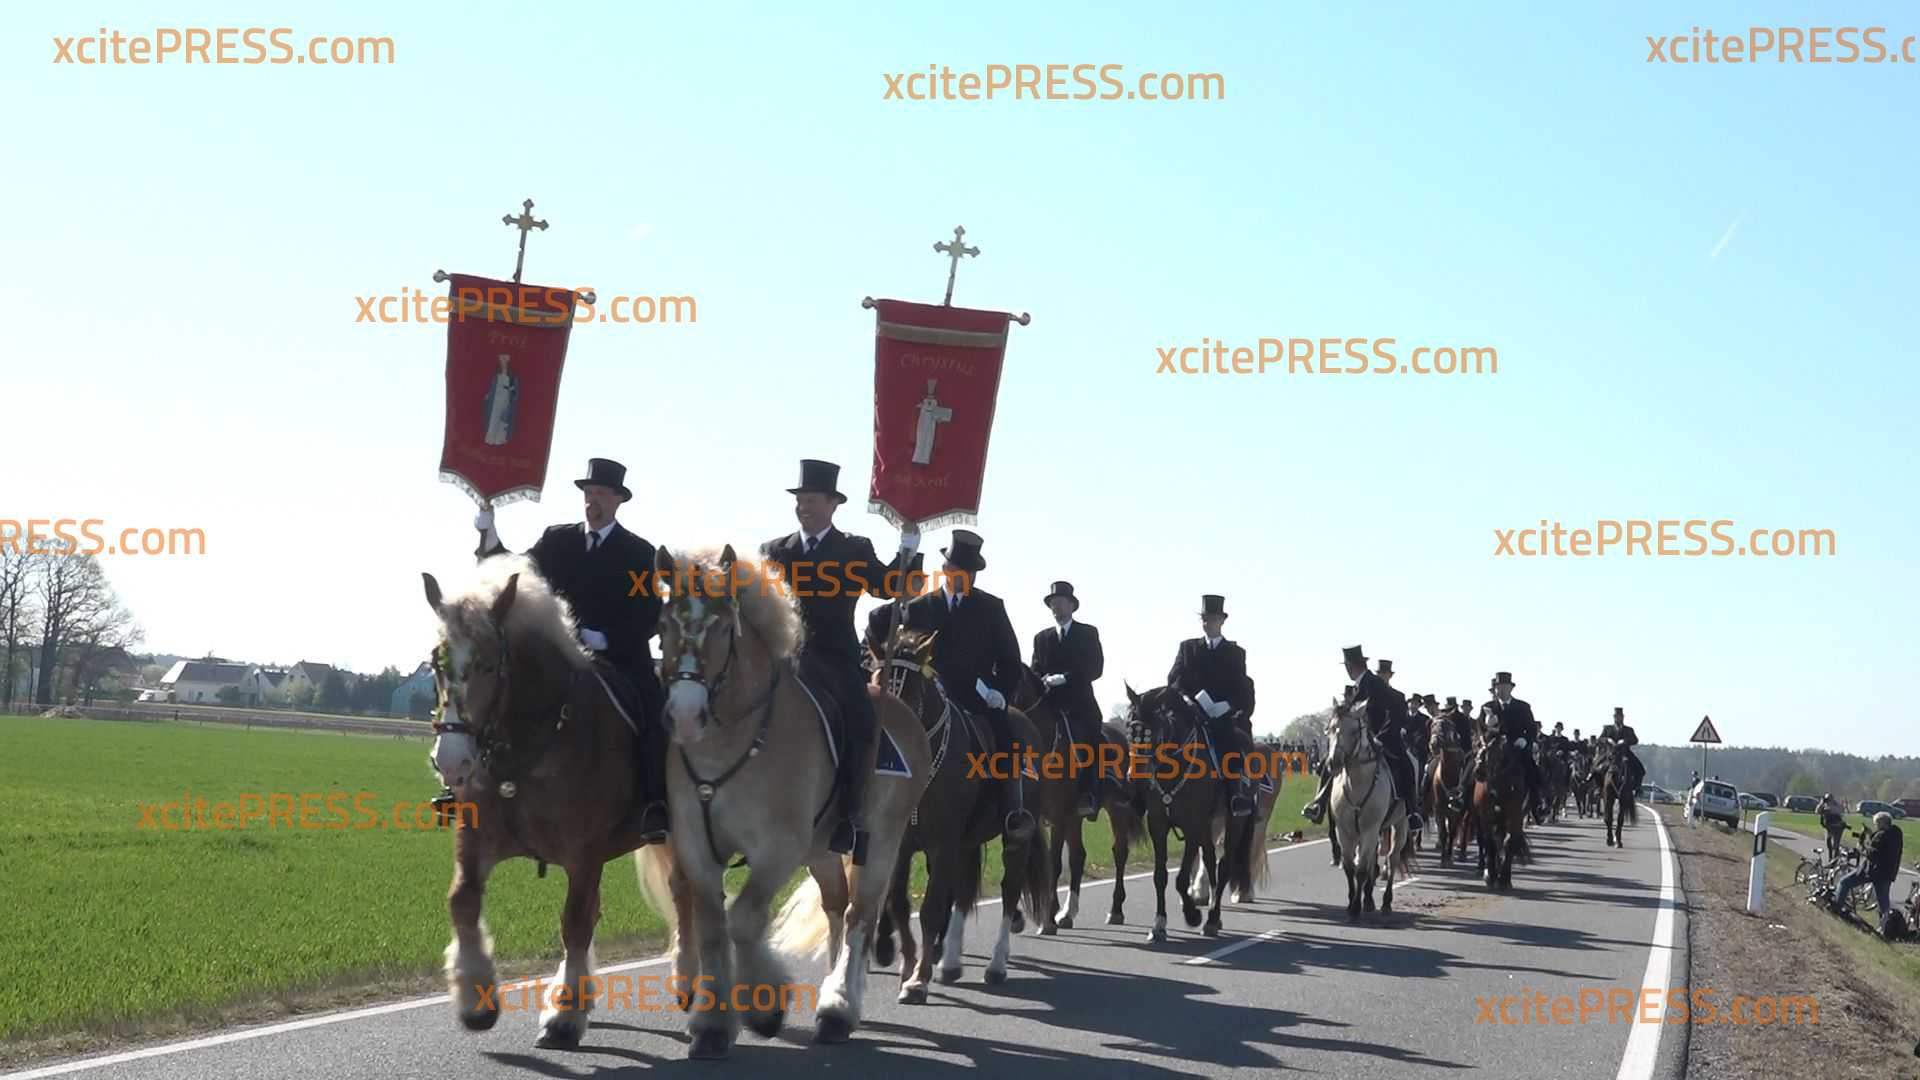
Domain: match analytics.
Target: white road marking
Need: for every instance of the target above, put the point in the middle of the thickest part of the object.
(1264, 935)
(1643, 1040)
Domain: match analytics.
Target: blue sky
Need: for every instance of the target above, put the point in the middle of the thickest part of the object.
(1699, 278)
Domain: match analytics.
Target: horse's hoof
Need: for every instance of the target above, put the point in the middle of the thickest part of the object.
(1191, 915)
(480, 1019)
(1156, 936)
(767, 1025)
(1114, 918)
(832, 1028)
(1353, 913)
(1243, 897)
(883, 952)
(913, 995)
(1065, 923)
(993, 977)
(949, 975)
(1049, 929)
(708, 1045)
(561, 1036)
(1212, 929)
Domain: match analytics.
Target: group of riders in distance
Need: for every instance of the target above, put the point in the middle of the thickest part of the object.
(772, 731)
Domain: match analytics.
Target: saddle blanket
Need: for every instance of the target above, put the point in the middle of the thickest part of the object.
(888, 760)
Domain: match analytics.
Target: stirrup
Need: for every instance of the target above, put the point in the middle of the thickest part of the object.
(849, 839)
(651, 820)
(1240, 806)
(1088, 806)
(1014, 829)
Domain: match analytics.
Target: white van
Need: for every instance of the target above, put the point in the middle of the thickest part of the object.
(1715, 799)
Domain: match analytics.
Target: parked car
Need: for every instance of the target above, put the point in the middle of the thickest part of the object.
(1716, 800)
(1768, 797)
(1803, 804)
(1910, 806)
(1750, 801)
(1870, 807)
(1656, 794)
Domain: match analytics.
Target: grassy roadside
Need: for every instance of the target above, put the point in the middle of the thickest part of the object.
(118, 930)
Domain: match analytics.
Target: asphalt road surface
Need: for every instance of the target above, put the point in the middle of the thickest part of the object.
(1289, 987)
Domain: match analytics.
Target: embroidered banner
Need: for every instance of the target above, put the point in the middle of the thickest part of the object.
(935, 382)
(506, 346)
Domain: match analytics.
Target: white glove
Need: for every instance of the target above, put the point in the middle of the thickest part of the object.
(1055, 680)
(1215, 709)
(593, 639)
(483, 521)
(989, 695)
(1519, 744)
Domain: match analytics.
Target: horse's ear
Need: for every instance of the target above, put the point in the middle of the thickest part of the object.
(504, 602)
(727, 557)
(433, 591)
(1131, 696)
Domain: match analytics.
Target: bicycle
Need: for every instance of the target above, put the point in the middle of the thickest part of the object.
(1822, 876)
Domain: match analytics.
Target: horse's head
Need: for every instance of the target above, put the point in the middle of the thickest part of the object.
(1151, 716)
(1346, 728)
(509, 617)
(711, 610)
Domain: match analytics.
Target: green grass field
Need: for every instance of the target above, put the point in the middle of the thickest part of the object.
(1809, 825)
(111, 925)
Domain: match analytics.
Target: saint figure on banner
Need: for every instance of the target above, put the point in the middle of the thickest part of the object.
(501, 398)
(932, 413)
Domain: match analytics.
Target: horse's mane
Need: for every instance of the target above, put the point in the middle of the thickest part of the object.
(537, 611)
(766, 601)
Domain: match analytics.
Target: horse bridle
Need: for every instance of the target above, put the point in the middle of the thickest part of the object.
(1137, 728)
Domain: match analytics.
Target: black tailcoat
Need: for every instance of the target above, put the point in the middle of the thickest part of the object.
(976, 642)
(1080, 658)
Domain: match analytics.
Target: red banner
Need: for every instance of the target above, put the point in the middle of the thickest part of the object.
(936, 378)
(506, 345)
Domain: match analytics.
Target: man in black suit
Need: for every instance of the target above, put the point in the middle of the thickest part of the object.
(829, 571)
(1387, 726)
(1213, 671)
(1517, 725)
(976, 657)
(1068, 658)
(1620, 734)
(1419, 729)
(590, 566)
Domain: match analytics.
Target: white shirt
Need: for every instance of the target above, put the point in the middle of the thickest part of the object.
(1213, 643)
(815, 538)
(601, 532)
(1063, 627)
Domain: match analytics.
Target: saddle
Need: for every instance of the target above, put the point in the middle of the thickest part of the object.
(822, 682)
(628, 696)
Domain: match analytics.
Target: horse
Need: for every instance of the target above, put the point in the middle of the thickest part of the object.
(957, 816)
(754, 774)
(1266, 794)
(532, 737)
(1559, 777)
(1449, 759)
(1159, 721)
(1057, 805)
(1370, 817)
(1580, 760)
(1500, 809)
(1617, 793)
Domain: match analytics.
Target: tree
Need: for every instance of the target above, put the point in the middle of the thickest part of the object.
(17, 597)
(1308, 729)
(228, 695)
(333, 692)
(79, 613)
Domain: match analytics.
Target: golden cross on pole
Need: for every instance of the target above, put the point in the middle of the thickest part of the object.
(526, 221)
(953, 252)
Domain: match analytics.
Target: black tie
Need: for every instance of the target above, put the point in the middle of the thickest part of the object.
(593, 541)
(810, 542)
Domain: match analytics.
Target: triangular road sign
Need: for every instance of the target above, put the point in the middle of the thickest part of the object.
(1705, 732)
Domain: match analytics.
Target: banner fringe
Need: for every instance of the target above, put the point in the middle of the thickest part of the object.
(938, 521)
(527, 493)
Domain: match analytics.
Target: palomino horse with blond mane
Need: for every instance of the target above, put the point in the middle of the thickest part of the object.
(533, 739)
(753, 773)
(1369, 817)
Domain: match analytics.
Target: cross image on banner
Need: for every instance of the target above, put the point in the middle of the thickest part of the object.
(935, 382)
(506, 346)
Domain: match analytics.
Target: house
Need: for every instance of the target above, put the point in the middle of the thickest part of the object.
(307, 680)
(202, 680)
(417, 685)
(264, 686)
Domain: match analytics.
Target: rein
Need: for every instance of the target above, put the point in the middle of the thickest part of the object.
(706, 787)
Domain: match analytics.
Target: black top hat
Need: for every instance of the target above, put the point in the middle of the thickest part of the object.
(1453, 701)
(1383, 668)
(1352, 654)
(1503, 678)
(1063, 588)
(1211, 604)
(822, 476)
(965, 552)
(606, 473)
(1618, 713)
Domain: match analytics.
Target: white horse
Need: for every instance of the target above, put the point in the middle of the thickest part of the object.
(1369, 820)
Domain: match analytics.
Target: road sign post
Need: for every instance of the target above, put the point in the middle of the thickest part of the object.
(1704, 734)
(1757, 869)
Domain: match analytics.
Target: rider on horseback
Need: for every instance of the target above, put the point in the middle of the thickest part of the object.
(830, 571)
(588, 565)
(976, 657)
(1068, 658)
(1213, 671)
(1386, 720)
(1514, 718)
(1615, 740)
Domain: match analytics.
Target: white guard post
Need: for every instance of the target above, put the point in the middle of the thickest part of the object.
(1757, 869)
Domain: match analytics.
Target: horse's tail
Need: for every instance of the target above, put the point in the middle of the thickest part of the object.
(966, 888)
(800, 930)
(1244, 849)
(1627, 811)
(1038, 889)
(654, 865)
(1258, 871)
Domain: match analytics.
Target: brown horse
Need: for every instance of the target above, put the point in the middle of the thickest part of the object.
(753, 772)
(957, 816)
(1450, 826)
(1266, 794)
(1500, 809)
(1169, 767)
(1058, 802)
(1617, 793)
(533, 738)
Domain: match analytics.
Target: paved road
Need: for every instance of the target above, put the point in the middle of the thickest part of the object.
(1290, 986)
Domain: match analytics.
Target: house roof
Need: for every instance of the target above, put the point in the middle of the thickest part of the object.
(204, 671)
